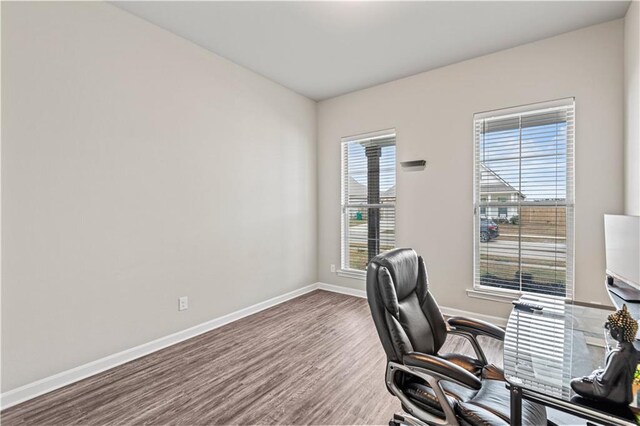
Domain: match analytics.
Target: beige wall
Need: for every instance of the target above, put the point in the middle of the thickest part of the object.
(632, 108)
(432, 113)
(137, 168)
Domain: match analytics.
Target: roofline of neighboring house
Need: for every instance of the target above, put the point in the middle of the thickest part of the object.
(502, 180)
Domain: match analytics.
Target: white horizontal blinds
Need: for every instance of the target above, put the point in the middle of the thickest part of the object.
(524, 199)
(368, 198)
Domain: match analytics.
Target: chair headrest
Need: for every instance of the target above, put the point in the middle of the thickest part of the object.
(402, 264)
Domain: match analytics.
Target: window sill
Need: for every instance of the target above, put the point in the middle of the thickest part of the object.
(494, 295)
(352, 273)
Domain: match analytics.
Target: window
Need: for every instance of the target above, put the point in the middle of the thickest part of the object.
(502, 211)
(524, 191)
(368, 198)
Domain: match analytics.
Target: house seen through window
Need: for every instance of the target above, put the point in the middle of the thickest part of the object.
(368, 198)
(524, 199)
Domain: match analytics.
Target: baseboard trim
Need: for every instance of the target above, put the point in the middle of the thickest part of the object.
(502, 322)
(342, 290)
(51, 383)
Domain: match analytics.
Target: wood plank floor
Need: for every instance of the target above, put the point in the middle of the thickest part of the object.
(313, 360)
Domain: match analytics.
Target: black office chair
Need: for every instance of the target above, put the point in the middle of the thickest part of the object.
(434, 389)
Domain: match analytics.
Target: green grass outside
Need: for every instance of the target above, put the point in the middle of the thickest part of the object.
(358, 255)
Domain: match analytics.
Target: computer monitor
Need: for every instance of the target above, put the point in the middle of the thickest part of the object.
(622, 243)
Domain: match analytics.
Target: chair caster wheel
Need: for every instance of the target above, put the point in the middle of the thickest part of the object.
(397, 420)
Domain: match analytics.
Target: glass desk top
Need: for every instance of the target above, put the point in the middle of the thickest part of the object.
(544, 350)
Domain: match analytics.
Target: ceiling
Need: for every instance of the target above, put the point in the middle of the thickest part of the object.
(325, 49)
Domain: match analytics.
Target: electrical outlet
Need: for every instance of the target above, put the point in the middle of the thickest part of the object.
(333, 268)
(183, 303)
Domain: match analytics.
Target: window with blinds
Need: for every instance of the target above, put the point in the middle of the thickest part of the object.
(368, 198)
(524, 199)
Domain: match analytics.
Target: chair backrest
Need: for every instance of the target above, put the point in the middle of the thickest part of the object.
(406, 316)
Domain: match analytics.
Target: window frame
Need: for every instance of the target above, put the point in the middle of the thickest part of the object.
(345, 270)
(497, 292)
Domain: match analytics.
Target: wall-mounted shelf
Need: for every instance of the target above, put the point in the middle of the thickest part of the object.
(413, 165)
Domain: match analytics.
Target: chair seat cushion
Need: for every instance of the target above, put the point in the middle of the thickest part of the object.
(476, 415)
(492, 402)
(488, 406)
(424, 397)
(423, 394)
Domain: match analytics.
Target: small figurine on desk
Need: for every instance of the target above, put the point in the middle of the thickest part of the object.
(613, 384)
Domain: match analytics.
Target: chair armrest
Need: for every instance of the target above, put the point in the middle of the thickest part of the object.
(443, 368)
(475, 326)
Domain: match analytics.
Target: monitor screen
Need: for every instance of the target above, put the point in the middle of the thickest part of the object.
(622, 242)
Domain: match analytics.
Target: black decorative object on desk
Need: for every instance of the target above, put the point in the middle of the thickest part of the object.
(618, 410)
(613, 384)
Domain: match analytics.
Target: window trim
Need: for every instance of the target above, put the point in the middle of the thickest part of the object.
(345, 271)
(355, 274)
(502, 294)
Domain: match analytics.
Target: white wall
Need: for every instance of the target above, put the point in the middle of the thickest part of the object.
(137, 168)
(432, 113)
(632, 108)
